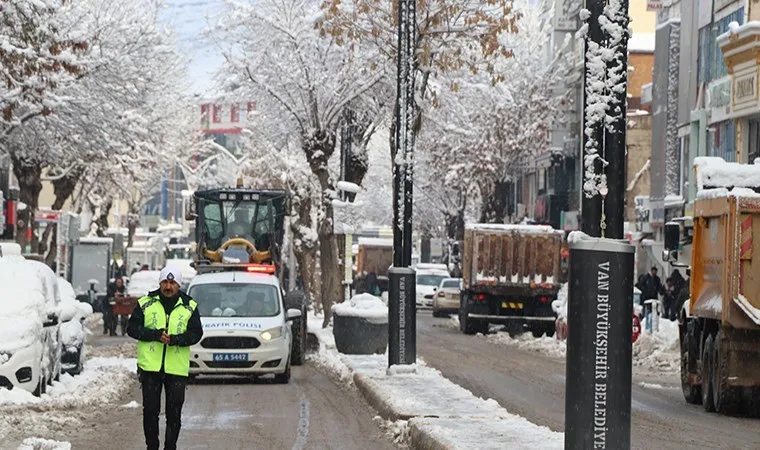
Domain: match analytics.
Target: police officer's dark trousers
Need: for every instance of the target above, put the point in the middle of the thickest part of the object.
(174, 386)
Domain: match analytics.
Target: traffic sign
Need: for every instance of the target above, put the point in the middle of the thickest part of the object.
(47, 216)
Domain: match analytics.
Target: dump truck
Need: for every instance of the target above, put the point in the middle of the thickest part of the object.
(510, 275)
(720, 322)
(242, 229)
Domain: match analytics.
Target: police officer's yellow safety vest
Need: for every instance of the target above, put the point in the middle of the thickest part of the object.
(150, 355)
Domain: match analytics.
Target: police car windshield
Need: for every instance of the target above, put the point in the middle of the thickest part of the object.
(236, 300)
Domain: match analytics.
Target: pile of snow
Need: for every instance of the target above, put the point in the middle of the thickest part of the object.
(364, 305)
(140, 283)
(43, 444)
(103, 380)
(544, 345)
(660, 350)
(73, 314)
(559, 306)
(397, 431)
(71, 403)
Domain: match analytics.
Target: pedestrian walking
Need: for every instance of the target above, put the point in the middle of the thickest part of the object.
(115, 289)
(166, 323)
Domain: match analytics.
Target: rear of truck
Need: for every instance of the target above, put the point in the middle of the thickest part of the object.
(510, 275)
(720, 323)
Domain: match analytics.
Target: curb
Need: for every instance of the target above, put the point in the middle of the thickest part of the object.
(422, 439)
(364, 384)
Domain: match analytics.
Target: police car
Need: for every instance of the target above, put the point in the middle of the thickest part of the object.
(246, 328)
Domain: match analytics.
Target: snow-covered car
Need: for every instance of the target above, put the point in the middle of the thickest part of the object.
(73, 331)
(446, 299)
(246, 329)
(429, 277)
(30, 349)
(140, 283)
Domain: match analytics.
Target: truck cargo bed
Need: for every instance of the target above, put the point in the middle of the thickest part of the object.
(512, 257)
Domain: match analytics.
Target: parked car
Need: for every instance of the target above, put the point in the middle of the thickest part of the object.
(429, 277)
(29, 324)
(73, 331)
(446, 299)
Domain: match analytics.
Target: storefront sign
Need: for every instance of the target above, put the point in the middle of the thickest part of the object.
(567, 17)
(654, 5)
(745, 88)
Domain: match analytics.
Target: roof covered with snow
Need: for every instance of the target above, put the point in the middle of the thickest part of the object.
(641, 43)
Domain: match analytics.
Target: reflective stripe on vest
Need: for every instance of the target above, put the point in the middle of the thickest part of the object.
(150, 355)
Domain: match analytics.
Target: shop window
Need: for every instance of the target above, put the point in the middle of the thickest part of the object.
(722, 143)
(711, 64)
(235, 113)
(217, 114)
(753, 141)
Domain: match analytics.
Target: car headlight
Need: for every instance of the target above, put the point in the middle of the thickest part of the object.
(270, 334)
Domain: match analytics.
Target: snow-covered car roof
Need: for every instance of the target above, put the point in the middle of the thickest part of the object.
(9, 249)
(235, 277)
(48, 280)
(140, 283)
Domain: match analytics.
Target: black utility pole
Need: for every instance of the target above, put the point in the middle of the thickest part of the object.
(593, 135)
(401, 295)
(600, 292)
(614, 137)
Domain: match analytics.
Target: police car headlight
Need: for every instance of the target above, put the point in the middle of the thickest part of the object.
(270, 334)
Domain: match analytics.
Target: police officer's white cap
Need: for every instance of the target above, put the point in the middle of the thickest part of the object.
(171, 274)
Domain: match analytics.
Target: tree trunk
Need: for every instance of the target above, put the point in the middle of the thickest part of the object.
(30, 184)
(305, 261)
(63, 188)
(494, 209)
(102, 220)
(133, 221)
(52, 254)
(455, 225)
(328, 263)
(318, 147)
(304, 247)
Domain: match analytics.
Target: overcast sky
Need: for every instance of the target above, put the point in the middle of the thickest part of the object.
(189, 18)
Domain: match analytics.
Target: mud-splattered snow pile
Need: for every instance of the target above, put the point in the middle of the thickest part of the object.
(70, 402)
(544, 345)
(660, 350)
(43, 444)
(327, 357)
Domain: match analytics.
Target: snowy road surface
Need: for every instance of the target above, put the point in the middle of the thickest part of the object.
(311, 412)
(533, 386)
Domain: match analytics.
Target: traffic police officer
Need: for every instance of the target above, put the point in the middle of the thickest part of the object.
(166, 323)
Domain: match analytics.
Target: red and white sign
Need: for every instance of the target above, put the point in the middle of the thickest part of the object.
(47, 216)
(654, 5)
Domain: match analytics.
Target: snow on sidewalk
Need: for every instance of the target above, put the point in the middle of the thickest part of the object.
(437, 412)
(70, 403)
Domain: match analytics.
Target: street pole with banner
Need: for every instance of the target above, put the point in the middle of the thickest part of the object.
(600, 294)
(401, 295)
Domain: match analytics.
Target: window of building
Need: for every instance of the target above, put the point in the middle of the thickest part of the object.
(711, 63)
(722, 141)
(753, 140)
(204, 116)
(217, 114)
(235, 113)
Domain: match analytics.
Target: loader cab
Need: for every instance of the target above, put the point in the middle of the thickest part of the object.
(235, 225)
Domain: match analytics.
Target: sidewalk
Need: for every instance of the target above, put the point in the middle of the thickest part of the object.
(437, 413)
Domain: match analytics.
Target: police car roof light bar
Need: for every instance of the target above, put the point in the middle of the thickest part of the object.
(261, 268)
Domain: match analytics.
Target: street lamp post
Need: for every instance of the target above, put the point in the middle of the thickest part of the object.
(600, 292)
(401, 296)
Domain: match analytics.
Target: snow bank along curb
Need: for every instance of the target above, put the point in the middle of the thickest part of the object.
(440, 413)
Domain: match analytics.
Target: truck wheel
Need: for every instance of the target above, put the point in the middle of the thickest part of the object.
(725, 398)
(297, 300)
(707, 374)
(692, 393)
